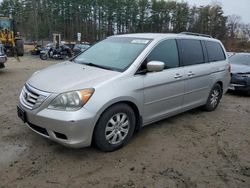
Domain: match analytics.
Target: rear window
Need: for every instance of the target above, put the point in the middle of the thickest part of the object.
(192, 52)
(215, 51)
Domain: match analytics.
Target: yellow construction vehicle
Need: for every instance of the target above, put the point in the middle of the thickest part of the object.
(13, 44)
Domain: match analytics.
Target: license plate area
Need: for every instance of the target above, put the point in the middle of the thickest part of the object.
(21, 114)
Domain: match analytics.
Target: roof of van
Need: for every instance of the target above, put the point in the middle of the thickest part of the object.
(163, 35)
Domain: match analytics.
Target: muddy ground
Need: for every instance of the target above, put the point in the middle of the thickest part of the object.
(194, 149)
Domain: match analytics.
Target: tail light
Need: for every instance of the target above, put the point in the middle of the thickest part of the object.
(229, 68)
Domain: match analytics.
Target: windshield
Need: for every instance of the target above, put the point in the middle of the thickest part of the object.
(241, 59)
(116, 53)
(5, 24)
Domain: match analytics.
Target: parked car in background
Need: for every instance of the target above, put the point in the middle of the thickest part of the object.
(70, 45)
(240, 68)
(122, 84)
(229, 54)
(79, 48)
(3, 57)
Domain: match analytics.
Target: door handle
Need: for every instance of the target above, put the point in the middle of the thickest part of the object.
(191, 73)
(177, 76)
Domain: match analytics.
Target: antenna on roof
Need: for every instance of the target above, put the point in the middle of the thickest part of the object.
(196, 34)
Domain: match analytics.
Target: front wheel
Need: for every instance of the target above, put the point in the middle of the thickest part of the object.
(44, 56)
(213, 98)
(114, 128)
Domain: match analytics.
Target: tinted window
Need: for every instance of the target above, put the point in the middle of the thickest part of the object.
(166, 52)
(215, 51)
(192, 52)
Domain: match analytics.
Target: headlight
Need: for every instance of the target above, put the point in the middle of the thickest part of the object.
(71, 101)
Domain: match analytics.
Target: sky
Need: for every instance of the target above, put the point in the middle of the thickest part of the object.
(238, 7)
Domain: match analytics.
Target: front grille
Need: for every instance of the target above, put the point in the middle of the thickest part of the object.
(39, 129)
(32, 98)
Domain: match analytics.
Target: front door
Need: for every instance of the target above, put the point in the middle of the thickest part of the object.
(163, 91)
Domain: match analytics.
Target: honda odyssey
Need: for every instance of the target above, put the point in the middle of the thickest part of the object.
(121, 84)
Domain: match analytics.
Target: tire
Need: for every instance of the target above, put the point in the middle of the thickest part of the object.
(114, 128)
(44, 56)
(214, 98)
(248, 93)
(20, 47)
(69, 54)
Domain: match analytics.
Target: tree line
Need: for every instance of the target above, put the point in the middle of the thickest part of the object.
(97, 19)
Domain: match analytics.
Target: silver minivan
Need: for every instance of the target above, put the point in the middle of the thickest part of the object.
(117, 86)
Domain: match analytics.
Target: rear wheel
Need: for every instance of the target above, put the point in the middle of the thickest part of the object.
(214, 98)
(248, 93)
(114, 128)
(19, 47)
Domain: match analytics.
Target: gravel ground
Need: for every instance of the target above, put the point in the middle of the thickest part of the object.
(194, 149)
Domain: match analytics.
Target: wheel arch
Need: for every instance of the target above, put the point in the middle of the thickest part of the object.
(132, 104)
(221, 85)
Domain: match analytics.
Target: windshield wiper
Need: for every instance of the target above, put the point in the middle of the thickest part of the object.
(98, 66)
(94, 65)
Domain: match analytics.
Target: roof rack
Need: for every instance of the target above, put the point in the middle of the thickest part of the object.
(196, 34)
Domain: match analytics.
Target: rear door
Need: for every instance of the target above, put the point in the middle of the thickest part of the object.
(196, 72)
(163, 91)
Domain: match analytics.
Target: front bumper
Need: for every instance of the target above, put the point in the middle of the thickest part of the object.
(72, 129)
(239, 83)
(238, 87)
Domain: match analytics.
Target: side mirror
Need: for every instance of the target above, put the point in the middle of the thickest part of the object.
(155, 66)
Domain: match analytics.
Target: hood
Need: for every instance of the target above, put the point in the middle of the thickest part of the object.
(240, 68)
(69, 76)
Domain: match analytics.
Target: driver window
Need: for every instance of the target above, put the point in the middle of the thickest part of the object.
(166, 52)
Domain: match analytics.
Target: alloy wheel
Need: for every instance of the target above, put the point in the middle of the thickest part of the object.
(215, 97)
(117, 128)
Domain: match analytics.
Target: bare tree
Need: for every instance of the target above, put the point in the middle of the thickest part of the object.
(233, 25)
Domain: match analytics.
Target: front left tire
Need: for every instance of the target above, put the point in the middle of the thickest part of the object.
(114, 128)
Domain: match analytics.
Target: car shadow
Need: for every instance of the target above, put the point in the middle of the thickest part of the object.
(238, 93)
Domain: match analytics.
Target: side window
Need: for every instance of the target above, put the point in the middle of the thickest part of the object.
(166, 52)
(215, 51)
(192, 52)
